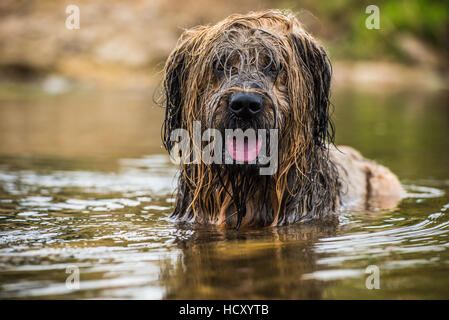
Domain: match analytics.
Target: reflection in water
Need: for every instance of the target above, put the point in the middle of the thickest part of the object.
(77, 188)
(247, 264)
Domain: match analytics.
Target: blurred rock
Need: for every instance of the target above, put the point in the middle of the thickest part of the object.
(55, 85)
(119, 43)
(123, 44)
(418, 51)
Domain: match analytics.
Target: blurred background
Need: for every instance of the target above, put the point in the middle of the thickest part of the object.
(91, 92)
(123, 44)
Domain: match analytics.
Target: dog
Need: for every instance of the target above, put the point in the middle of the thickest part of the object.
(262, 70)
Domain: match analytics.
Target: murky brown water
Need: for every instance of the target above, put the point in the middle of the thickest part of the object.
(84, 183)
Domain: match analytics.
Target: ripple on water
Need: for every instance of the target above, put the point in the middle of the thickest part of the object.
(114, 227)
(93, 220)
(152, 174)
(399, 244)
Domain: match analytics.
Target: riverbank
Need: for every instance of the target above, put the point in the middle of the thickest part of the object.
(362, 76)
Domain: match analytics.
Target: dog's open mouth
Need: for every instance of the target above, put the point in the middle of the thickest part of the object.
(245, 150)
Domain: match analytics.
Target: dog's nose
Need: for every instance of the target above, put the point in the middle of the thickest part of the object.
(245, 104)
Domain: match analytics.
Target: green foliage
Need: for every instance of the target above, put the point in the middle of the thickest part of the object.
(347, 36)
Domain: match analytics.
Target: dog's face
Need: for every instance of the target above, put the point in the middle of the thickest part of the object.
(258, 71)
(255, 71)
(247, 89)
(248, 85)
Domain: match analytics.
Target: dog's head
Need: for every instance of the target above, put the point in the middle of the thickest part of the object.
(260, 70)
(256, 71)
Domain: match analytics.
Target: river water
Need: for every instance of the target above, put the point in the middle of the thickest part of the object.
(86, 191)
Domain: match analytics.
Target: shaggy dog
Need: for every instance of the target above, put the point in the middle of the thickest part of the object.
(263, 71)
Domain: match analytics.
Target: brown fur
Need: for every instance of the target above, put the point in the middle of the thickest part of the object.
(271, 54)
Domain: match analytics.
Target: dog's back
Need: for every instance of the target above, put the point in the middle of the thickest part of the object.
(364, 183)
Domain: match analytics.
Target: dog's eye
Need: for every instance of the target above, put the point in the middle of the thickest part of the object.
(219, 67)
(272, 69)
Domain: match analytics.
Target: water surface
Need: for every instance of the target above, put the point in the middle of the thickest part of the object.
(84, 183)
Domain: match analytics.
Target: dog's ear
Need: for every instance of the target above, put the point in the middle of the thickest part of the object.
(317, 69)
(174, 80)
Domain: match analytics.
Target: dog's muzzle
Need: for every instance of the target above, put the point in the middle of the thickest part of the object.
(245, 105)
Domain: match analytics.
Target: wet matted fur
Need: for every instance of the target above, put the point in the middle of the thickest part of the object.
(268, 53)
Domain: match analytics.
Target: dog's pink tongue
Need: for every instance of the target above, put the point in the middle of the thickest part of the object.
(246, 150)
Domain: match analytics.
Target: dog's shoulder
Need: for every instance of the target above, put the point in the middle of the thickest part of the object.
(365, 179)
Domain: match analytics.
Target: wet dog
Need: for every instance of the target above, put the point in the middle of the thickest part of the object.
(263, 72)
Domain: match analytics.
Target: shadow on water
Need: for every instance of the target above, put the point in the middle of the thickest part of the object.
(226, 264)
(84, 183)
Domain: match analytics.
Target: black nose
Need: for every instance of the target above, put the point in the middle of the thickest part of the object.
(245, 104)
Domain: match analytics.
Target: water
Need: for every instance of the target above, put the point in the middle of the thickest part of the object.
(85, 187)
